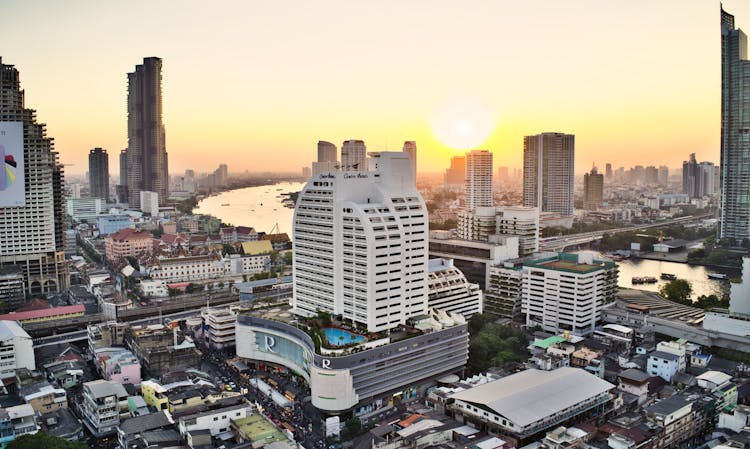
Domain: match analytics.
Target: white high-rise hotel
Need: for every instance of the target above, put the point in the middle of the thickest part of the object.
(360, 244)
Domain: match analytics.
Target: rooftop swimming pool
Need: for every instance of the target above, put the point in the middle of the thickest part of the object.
(340, 337)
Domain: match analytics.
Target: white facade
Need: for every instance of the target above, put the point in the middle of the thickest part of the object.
(448, 289)
(154, 289)
(567, 291)
(479, 188)
(482, 222)
(81, 209)
(360, 245)
(215, 421)
(16, 349)
(149, 202)
(219, 327)
(410, 147)
(663, 364)
(236, 264)
(23, 418)
(184, 269)
(354, 156)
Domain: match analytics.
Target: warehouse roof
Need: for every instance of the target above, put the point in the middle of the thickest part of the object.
(529, 396)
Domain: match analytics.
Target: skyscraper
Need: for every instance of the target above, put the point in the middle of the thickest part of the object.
(734, 216)
(32, 227)
(663, 175)
(593, 190)
(478, 179)
(360, 245)
(147, 165)
(122, 185)
(327, 158)
(697, 179)
(548, 163)
(608, 172)
(99, 174)
(455, 175)
(410, 147)
(354, 156)
(326, 152)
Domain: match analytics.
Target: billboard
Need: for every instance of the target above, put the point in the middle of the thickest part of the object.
(12, 185)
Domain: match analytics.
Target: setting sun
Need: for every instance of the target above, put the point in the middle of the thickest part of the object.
(463, 123)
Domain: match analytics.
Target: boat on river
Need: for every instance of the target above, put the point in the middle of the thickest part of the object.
(644, 280)
(668, 276)
(718, 276)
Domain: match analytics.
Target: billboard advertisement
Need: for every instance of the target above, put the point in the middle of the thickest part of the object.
(12, 185)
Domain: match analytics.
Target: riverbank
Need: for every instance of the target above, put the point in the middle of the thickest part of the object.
(265, 208)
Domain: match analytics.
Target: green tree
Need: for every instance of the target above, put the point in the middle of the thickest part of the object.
(43, 440)
(678, 290)
(352, 428)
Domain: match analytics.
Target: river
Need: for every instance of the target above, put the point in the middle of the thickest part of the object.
(695, 274)
(259, 207)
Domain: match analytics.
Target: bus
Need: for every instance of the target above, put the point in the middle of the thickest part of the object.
(272, 383)
(289, 395)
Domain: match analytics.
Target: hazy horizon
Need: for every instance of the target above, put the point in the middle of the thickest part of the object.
(638, 82)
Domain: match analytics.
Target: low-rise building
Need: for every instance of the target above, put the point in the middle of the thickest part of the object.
(473, 258)
(127, 243)
(102, 402)
(23, 418)
(109, 224)
(118, 365)
(43, 397)
(525, 405)
(161, 349)
(154, 288)
(185, 268)
(16, 349)
(146, 430)
(634, 382)
(217, 420)
(663, 364)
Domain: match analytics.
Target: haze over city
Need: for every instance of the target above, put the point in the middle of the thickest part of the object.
(244, 80)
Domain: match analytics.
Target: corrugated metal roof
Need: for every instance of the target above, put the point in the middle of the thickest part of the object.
(529, 396)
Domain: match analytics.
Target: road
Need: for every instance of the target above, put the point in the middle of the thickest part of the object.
(559, 243)
(306, 419)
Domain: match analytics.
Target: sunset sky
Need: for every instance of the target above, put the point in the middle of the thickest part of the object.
(256, 84)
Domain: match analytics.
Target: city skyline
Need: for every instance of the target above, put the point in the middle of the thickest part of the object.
(274, 69)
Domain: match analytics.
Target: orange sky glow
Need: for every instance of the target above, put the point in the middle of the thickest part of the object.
(255, 84)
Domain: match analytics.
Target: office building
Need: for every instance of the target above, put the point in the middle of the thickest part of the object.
(593, 190)
(608, 172)
(567, 292)
(147, 163)
(149, 202)
(455, 175)
(353, 235)
(84, 209)
(734, 214)
(502, 297)
(32, 223)
(99, 174)
(354, 156)
(450, 292)
(548, 164)
(218, 327)
(479, 189)
(327, 159)
(122, 184)
(221, 175)
(483, 222)
(16, 349)
(109, 224)
(473, 258)
(651, 175)
(410, 147)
